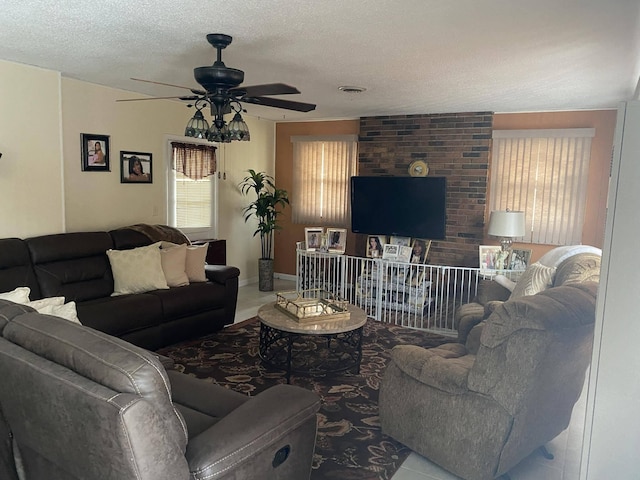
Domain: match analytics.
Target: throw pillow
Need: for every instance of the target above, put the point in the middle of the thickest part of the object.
(535, 279)
(174, 261)
(137, 270)
(196, 259)
(66, 311)
(19, 295)
(46, 302)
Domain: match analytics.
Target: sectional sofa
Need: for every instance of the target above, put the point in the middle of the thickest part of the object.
(77, 267)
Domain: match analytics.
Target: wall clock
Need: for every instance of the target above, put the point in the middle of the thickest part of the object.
(418, 168)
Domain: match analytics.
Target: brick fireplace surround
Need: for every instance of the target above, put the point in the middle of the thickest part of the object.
(454, 145)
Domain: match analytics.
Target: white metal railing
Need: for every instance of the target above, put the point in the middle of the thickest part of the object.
(406, 294)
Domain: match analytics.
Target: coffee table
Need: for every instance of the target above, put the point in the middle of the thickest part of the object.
(288, 345)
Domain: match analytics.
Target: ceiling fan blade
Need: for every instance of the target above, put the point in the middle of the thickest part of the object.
(266, 89)
(181, 97)
(195, 91)
(278, 103)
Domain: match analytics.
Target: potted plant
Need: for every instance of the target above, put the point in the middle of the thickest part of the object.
(266, 208)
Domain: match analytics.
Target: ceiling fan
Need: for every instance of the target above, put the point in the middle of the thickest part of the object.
(224, 93)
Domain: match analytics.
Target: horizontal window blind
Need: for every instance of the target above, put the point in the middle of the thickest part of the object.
(193, 202)
(543, 173)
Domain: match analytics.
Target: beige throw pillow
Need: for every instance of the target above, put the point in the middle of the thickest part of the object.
(535, 279)
(19, 295)
(66, 311)
(137, 270)
(196, 259)
(174, 261)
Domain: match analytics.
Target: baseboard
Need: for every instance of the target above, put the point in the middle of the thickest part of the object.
(247, 281)
(285, 276)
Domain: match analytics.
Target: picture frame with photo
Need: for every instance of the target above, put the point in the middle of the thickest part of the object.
(313, 238)
(396, 240)
(404, 253)
(519, 259)
(492, 257)
(375, 246)
(420, 250)
(136, 167)
(95, 152)
(390, 251)
(336, 240)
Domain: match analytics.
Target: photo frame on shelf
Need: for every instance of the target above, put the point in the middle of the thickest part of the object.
(390, 251)
(519, 259)
(492, 257)
(404, 253)
(313, 238)
(396, 240)
(336, 240)
(375, 245)
(95, 152)
(420, 250)
(136, 167)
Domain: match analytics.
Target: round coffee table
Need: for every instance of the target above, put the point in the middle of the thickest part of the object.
(294, 347)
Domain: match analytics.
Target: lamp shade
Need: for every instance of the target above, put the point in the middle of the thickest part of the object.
(197, 126)
(506, 224)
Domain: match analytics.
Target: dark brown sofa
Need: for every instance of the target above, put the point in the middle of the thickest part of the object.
(76, 266)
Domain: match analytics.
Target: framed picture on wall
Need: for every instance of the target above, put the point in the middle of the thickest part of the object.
(95, 152)
(395, 240)
(136, 167)
(420, 250)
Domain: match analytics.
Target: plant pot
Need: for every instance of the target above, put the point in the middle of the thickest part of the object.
(265, 274)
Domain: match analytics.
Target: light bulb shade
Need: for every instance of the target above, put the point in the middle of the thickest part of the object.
(238, 129)
(220, 135)
(197, 127)
(506, 224)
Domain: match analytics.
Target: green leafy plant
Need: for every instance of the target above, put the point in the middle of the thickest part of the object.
(266, 207)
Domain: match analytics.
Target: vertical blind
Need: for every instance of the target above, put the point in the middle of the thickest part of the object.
(543, 173)
(322, 169)
(193, 165)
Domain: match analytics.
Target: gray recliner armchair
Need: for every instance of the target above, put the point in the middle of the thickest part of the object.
(478, 410)
(76, 403)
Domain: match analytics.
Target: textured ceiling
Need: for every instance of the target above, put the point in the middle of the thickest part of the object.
(412, 56)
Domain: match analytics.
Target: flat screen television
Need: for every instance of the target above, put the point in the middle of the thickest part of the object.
(403, 206)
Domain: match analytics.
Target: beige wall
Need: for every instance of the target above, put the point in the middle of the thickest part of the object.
(31, 200)
(44, 190)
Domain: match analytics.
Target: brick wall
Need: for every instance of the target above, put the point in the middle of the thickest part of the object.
(454, 145)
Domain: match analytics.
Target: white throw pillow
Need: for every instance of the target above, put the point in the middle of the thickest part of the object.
(46, 302)
(19, 295)
(535, 279)
(137, 270)
(196, 259)
(66, 311)
(174, 260)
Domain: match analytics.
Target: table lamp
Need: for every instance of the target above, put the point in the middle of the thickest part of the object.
(507, 225)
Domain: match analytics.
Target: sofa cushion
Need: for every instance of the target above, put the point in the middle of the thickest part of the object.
(72, 265)
(536, 278)
(137, 270)
(196, 259)
(197, 297)
(15, 266)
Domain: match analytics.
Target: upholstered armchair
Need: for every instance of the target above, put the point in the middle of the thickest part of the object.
(560, 266)
(478, 412)
(76, 404)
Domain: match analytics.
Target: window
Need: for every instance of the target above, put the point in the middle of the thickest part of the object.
(543, 173)
(322, 168)
(192, 189)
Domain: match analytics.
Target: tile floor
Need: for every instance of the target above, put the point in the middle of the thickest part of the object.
(566, 447)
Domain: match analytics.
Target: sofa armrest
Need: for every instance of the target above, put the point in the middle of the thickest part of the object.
(489, 290)
(221, 273)
(279, 416)
(445, 367)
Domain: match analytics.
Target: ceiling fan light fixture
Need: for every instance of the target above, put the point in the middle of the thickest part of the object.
(197, 126)
(220, 135)
(238, 129)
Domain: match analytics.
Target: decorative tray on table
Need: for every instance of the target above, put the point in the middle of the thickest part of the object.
(314, 305)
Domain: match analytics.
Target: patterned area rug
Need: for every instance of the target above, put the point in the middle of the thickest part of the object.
(349, 444)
